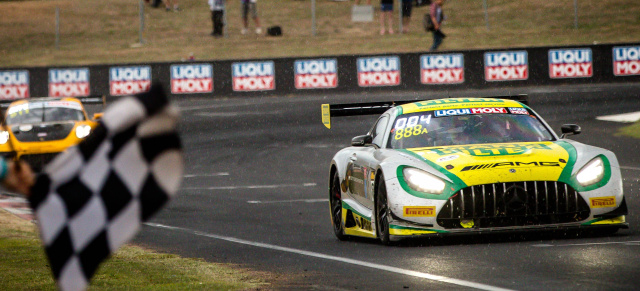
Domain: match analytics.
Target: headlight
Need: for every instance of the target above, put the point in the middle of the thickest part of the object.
(422, 181)
(591, 173)
(83, 131)
(4, 137)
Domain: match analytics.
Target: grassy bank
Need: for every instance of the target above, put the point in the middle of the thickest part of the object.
(23, 266)
(632, 130)
(94, 31)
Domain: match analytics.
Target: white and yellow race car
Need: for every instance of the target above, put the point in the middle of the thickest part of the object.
(37, 129)
(468, 165)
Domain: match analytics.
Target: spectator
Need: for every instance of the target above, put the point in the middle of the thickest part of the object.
(171, 5)
(249, 6)
(407, 6)
(437, 16)
(386, 6)
(358, 2)
(16, 176)
(217, 13)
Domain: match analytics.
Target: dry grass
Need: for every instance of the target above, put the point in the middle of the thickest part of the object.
(97, 31)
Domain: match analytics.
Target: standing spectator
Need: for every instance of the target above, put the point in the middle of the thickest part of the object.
(217, 14)
(386, 6)
(437, 16)
(171, 5)
(249, 6)
(407, 6)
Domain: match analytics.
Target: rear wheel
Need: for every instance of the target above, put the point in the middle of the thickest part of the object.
(382, 212)
(335, 198)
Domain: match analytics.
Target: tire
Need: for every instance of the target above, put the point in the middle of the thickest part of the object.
(335, 200)
(382, 212)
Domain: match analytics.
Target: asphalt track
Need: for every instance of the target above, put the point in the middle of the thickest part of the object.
(255, 194)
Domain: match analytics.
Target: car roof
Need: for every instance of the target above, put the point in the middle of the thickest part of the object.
(457, 103)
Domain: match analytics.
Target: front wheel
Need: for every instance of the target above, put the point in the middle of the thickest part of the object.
(335, 199)
(382, 212)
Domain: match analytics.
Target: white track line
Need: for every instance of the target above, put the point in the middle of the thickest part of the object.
(625, 117)
(630, 168)
(335, 258)
(288, 201)
(633, 242)
(206, 175)
(251, 187)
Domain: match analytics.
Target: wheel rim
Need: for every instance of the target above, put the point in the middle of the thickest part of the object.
(383, 212)
(336, 205)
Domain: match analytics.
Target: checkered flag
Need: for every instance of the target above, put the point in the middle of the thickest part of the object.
(92, 198)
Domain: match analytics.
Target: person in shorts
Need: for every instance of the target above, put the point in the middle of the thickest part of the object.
(386, 7)
(407, 6)
(249, 7)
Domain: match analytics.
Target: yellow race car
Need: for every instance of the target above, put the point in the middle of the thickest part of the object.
(37, 129)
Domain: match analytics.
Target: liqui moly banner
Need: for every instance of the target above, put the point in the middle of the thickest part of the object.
(506, 66)
(316, 74)
(378, 71)
(129, 80)
(442, 69)
(69, 82)
(14, 85)
(570, 63)
(253, 76)
(192, 78)
(626, 61)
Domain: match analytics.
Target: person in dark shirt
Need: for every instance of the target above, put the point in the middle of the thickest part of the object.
(437, 16)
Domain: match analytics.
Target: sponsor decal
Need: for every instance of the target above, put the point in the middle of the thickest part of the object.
(361, 222)
(419, 211)
(510, 164)
(378, 71)
(442, 69)
(316, 74)
(491, 150)
(14, 85)
(487, 110)
(129, 80)
(570, 63)
(253, 76)
(193, 78)
(518, 110)
(448, 158)
(603, 202)
(506, 66)
(626, 61)
(69, 82)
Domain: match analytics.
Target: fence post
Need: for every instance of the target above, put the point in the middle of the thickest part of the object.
(141, 10)
(486, 13)
(57, 27)
(400, 16)
(575, 14)
(313, 17)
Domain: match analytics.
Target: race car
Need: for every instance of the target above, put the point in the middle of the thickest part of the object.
(468, 165)
(37, 129)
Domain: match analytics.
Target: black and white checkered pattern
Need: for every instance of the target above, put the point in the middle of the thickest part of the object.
(92, 198)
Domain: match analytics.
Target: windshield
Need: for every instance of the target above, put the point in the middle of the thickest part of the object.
(49, 111)
(466, 126)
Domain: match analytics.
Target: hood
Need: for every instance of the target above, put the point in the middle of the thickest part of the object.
(499, 163)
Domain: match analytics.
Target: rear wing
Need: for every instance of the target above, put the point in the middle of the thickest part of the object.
(84, 100)
(369, 108)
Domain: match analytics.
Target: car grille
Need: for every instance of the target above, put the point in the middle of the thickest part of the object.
(513, 204)
(38, 161)
(48, 132)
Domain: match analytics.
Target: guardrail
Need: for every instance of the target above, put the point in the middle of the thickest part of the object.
(426, 71)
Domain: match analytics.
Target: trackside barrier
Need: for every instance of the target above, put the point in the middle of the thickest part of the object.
(579, 64)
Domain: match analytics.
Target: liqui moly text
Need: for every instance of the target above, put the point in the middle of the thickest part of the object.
(570, 63)
(193, 78)
(378, 71)
(626, 61)
(69, 82)
(313, 74)
(14, 85)
(253, 76)
(442, 69)
(129, 80)
(506, 66)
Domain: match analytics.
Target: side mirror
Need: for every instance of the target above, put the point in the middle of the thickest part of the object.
(97, 116)
(361, 140)
(570, 129)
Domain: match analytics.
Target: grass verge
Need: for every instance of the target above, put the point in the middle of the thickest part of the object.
(632, 130)
(23, 266)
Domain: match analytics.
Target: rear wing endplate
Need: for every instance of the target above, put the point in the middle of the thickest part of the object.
(368, 108)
